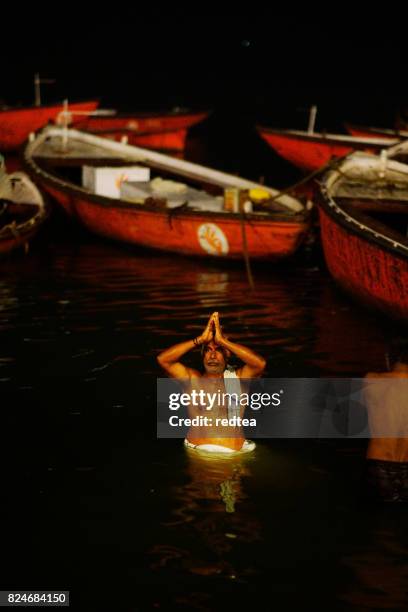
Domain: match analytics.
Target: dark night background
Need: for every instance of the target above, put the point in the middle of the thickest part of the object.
(248, 63)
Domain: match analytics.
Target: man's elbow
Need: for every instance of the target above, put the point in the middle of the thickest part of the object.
(262, 366)
(161, 361)
(165, 364)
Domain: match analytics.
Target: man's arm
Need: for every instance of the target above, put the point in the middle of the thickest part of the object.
(169, 359)
(254, 363)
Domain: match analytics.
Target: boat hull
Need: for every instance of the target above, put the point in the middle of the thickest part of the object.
(369, 132)
(169, 140)
(17, 124)
(23, 211)
(216, 235)
(309, 153)
(373, 274)
(165, 132)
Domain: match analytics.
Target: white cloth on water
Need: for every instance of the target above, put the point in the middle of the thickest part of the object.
(248, 446)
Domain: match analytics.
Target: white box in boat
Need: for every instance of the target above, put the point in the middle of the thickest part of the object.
(195, 198)
(106, 181)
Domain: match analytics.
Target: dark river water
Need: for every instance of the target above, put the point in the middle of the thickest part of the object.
(95, 504)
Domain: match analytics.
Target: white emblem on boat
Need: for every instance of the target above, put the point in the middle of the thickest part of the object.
(212, 239)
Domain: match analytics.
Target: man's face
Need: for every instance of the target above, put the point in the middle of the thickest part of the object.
(214, 358)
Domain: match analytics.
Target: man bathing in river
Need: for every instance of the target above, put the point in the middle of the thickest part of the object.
(386, 397)
(216, 350)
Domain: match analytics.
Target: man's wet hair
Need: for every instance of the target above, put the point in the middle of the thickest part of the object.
(398, 350)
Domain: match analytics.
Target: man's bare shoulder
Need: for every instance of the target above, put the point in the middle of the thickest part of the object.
(245, 373)
(377, 375)
(382, 375)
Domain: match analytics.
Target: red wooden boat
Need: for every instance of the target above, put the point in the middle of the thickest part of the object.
(164, 131)
(363, 219)
(182, 219)
(17, 123)
(311, 151)
(373, 132)
(22, 211)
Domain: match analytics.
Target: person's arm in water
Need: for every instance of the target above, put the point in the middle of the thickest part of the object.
(169, 359)
(254, 364)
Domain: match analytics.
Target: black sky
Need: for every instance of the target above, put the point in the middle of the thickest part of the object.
(247, 57)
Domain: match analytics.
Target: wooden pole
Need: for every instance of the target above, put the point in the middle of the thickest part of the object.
(37, 89)
(312, 119)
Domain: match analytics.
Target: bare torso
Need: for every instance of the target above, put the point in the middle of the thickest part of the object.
(387, 405)
(217, 432)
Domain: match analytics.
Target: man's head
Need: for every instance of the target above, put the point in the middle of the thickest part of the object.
(215, 358)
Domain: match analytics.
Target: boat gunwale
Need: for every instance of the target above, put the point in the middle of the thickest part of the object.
(337, 139)
(36, 220)
(33, 167)
(49, 106)
(154, 114)
(347, 221)
(133, 153)
(379, 131)
(299, 218)
(134, 132)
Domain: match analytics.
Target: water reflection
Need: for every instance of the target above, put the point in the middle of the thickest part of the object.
(82, 323)
(378, 569)
(348, 339)
(173, 297)
(211, 282)
(217, 479)
(213, 515)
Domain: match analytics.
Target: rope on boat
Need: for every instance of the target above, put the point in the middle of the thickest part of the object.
(331, 164)
(245, 247)
(171, 212)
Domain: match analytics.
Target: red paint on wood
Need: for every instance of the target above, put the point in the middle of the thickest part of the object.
(306, 155)
(16, 124)
(167, 131)
(179, 232)
(310, 153)
(372, 274)
(167, 141)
